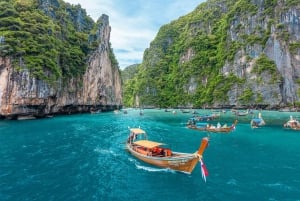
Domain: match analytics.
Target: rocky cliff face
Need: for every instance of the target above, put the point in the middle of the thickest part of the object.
(283, 33)
(99, 88)
(226, 53)
(275, 29)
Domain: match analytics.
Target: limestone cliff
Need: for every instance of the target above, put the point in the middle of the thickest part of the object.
(225, 53)
(265, 29)
(98, 88)
(283, 28)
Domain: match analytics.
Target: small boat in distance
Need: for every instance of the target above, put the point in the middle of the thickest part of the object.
(292, 124)
(153, 153)
(221, 129)
(185, 111)
(206, 117)
(192, 124)
(242, 113)
(257, 122)
(141, 112)
(195, 112)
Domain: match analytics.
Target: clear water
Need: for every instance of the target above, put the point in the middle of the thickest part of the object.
(82, 157)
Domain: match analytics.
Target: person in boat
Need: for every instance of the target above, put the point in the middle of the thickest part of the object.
(194, 121)
(191, 122)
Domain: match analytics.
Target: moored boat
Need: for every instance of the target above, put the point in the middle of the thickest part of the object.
(185, 111)
(155, 154)
(292, 124)
(221, 129)
(257, 122)
(242, 113)
(206, 117)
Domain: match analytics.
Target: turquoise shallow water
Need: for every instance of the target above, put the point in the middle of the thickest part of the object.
(82, 157)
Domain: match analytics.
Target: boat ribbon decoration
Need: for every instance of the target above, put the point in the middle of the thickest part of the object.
(204, 170)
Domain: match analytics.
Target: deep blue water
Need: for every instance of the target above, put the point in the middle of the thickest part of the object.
(82, 157)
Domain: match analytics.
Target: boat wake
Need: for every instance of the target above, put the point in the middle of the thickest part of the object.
(147, 168)
(232, 182)
(152, 169)
(105, 151)
(280, 186)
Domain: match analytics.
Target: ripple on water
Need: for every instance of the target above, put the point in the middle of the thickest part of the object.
(82, 157)
(280, 187)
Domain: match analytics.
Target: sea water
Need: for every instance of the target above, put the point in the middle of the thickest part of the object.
(83, 157)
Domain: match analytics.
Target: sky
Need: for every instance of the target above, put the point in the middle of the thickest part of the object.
(135, 23)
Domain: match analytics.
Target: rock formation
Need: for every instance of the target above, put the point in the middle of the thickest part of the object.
(99, 88)
(225, 53)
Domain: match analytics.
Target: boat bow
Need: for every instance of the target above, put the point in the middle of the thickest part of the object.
(203, 145)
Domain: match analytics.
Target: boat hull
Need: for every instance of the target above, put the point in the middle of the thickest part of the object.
(222, 129)
(197, 128)
(219, 130)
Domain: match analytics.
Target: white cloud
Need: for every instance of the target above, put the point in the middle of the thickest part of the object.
(135, 23)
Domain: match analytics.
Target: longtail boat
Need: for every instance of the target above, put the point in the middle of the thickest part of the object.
(153, 153)
(241, 113)
(293, 124)
(257, 122)
(221, 129)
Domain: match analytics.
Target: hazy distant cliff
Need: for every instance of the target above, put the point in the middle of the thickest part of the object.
(224, 53)
(67, 67)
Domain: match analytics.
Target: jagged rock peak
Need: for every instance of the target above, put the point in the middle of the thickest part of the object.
(104, 19)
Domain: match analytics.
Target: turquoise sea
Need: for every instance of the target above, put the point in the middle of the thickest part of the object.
(82, 157)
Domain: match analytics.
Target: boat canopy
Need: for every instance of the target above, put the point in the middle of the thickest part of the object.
(137, 131)
(257, 120)
(147, 143)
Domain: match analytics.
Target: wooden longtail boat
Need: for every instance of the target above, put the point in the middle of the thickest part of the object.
(223, 129)
(211, 128)
(151, 152)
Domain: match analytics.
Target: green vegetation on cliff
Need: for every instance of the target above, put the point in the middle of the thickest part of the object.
(129, 80)
(52, 39)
